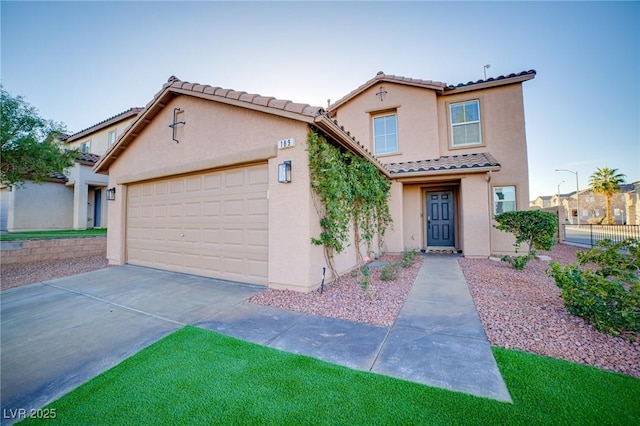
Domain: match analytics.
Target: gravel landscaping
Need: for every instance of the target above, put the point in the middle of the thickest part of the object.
(379, 304)
(523, 310)
(17, 274)
(519, 309)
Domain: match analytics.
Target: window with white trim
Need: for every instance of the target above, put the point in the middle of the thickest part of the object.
(385, 134)
(465, 123)
(112, 137)
(504, 199)
(85, 147)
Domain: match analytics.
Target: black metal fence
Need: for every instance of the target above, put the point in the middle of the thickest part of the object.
(590, 234)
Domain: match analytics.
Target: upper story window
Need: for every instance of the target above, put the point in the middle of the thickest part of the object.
(385, 134)
(112, 137)
(504, 199)
(465, 123)
(85, 147)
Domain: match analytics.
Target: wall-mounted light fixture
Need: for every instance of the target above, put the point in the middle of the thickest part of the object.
(284, 172)
(111, 194)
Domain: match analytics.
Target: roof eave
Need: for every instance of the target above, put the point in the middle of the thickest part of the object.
(489, 84)
(118, 118)
(340, 135)
(447, 172)
(385, 79)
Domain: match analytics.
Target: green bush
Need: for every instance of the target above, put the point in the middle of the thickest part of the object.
(517, 262)
(390, 272)
(609, 296)
(408, 256)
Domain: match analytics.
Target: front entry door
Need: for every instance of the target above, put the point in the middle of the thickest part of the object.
(440, 219)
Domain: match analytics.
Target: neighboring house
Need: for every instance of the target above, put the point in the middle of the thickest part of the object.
(632, 204)
(593, 206)
(543, 201)
(74, 200)
(196, 175)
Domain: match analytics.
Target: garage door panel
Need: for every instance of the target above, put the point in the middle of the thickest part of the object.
(213, 224)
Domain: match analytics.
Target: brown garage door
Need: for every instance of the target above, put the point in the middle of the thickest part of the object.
(213, 224)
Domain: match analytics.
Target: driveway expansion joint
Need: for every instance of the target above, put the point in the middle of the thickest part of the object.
(128, 308)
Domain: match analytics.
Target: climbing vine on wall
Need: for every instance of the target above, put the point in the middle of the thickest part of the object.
(349, 191)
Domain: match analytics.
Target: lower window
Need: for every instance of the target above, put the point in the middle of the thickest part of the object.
(504, 199)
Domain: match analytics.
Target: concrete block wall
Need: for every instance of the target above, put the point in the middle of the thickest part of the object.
(24, 251)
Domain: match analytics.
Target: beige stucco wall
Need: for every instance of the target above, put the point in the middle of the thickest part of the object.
(217, 135)
(100, 139)
(35, 207)
(417, 120)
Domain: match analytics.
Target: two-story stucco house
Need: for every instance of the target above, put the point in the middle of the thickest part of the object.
(457, 156)
(198, 187)
(75, 199)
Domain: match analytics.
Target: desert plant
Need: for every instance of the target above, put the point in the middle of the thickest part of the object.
(609, 295)
(517, 262)
(408, 257)
(535, 227)
(390, 272)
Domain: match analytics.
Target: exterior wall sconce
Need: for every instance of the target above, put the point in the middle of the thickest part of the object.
(284, 172)
(111, 194)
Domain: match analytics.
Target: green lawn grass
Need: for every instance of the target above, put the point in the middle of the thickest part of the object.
(195, 376)
(97, 232)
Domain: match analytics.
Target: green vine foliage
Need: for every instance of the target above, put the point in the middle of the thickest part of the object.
(349, 191)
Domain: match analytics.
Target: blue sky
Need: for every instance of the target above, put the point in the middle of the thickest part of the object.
(81, 62)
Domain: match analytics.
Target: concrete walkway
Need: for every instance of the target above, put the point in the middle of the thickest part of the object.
(59, 334)
(437, 340)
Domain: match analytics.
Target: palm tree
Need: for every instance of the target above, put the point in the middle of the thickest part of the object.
(606, 181)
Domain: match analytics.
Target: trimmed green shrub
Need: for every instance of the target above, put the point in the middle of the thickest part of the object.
(609, 296)
(534, 227)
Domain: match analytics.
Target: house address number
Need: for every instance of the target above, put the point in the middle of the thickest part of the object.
(286, 143)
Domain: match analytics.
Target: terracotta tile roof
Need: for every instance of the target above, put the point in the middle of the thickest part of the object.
(493, 79)
(57, 177)
(249, 98)
(461, 162)
(87, 159)
(131, 112)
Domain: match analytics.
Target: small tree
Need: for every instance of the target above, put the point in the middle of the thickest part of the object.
(534, 227)
(30, 146)
(606, 181)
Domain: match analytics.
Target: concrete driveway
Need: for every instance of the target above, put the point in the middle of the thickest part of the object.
(59, 334)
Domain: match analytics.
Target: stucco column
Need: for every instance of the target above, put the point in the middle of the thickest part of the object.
(80, 203)
(475, 216)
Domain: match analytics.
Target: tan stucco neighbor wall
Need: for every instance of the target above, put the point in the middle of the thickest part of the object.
(100, 139)
(36, 207)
